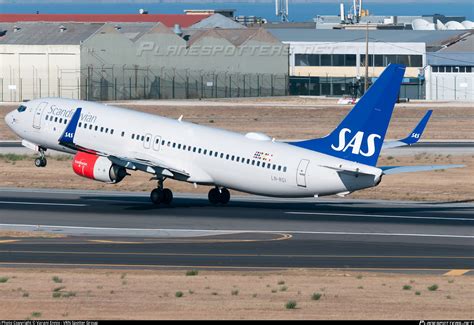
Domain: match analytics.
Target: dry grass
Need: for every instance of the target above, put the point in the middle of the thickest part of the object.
(301, 122)
(101, 294)
(28, 234)
(449, 185)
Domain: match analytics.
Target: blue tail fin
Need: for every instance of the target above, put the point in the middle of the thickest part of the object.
(360, 135)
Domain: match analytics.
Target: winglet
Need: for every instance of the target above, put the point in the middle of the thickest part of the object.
(415, 135)
(67, 138)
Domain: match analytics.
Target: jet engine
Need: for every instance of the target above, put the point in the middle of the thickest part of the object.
(97, 168)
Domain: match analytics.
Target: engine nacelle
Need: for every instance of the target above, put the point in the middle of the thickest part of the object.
(97, 168)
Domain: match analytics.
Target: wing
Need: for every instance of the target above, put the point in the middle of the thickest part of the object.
(136, 160)
(391, 170)
(413, 137)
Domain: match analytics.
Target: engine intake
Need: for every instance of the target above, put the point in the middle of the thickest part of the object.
(97, 168)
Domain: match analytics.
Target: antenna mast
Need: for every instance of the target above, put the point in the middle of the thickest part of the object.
(281, 9)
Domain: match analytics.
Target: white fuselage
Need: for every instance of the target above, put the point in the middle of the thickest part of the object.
(210, 156)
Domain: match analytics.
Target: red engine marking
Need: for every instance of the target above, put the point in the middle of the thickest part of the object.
(83, 164)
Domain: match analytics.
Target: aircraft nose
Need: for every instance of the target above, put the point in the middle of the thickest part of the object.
(10, 119)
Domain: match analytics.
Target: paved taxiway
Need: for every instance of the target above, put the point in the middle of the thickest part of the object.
(116, 228)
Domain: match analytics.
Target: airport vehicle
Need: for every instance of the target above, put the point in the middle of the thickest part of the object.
(107, 141)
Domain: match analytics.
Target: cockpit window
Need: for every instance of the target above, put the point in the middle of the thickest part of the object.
(21, 108)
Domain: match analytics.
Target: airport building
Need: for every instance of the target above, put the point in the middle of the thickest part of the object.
(449, 74)
(208, 56)
(331, 62)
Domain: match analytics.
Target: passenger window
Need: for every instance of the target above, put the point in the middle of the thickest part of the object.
(80, 124)
(47, 116)
(133, 135)
(90, 126)
(102, 130)
(169, 143)
(56, 119)
(279, 168)
(184, 147)
(96, 127)
(179, 146)
(263, 165)
(65, 121)
(61, 121)
(194, 149)
(258, 163)
(216, 154)
(284, 169)
(174, 144)
(199, 151)
(123, 133)
(189, 148)
(85, 125)
(253, 162)
(274, 167)
(222, 155)
(107, 130)
(162, 142)
(248, 161)
(111, 131)
(204, 152)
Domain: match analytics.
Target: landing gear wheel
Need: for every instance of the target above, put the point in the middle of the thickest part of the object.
(224, 196)
(167, 196)
(156, 196)
(41, 162)
(213, 196)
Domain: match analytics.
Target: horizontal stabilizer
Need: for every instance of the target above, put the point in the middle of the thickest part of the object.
(391, 170)
(413, 137)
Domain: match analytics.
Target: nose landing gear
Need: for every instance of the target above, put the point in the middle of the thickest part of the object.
(217, 195)
(41, 161)
(161, 195)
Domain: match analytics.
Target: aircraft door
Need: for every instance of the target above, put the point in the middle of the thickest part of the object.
(38, 114)
(301, 173)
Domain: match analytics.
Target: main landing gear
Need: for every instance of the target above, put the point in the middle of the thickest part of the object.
(41, 160)
(217, 195)
(161, 195)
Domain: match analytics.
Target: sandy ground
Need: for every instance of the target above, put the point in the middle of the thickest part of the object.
(298, 118)
(119, 294)
(447, 185)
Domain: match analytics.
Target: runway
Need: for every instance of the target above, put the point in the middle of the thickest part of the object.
(125, 229)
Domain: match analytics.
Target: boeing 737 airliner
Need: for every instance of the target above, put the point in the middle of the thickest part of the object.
(107, 141)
